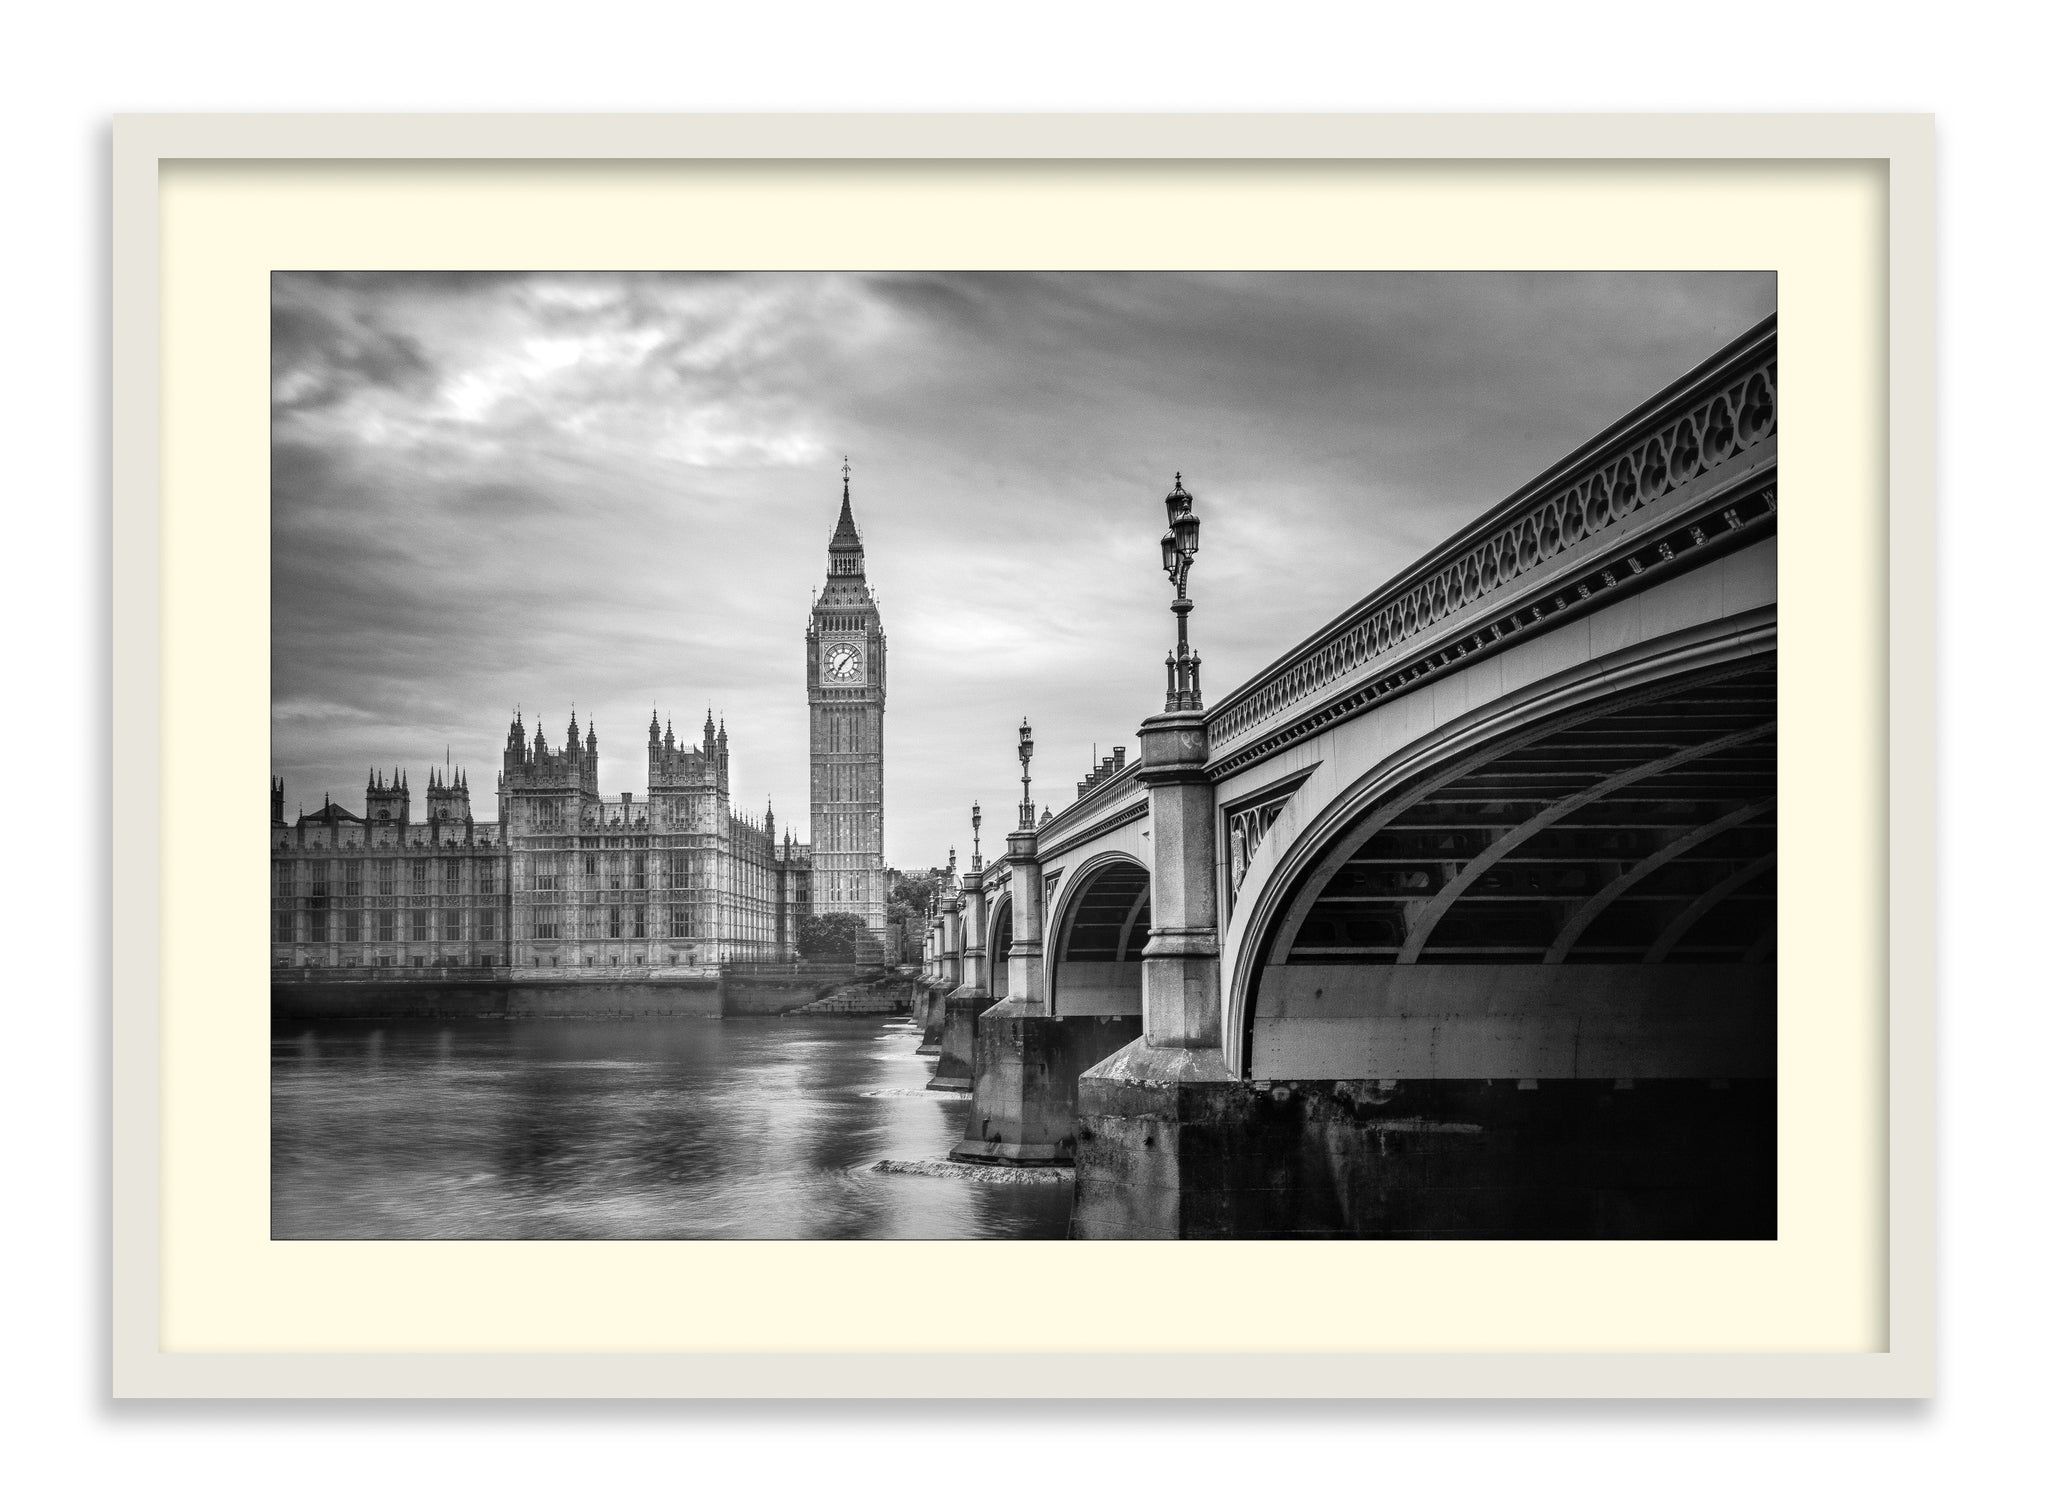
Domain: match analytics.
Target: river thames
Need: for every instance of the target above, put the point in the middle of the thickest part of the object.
(623, 1128)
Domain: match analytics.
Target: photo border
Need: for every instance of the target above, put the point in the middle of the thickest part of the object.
(142, 144)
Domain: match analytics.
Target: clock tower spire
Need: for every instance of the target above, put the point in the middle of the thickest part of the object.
(846, 559)
(846, 667)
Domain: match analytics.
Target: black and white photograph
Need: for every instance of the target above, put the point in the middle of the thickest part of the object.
(903, 654)
(1098, 755)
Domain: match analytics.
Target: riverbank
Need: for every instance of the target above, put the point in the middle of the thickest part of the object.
(736, 992)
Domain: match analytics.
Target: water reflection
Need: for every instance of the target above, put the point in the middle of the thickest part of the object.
(622, 1128)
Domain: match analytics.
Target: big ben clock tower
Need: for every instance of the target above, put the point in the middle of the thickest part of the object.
(846, 674)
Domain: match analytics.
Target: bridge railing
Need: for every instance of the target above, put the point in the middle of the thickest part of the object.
(1719, 420)
(1102, 797)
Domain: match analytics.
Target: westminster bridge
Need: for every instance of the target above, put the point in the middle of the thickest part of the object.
(1458, 919)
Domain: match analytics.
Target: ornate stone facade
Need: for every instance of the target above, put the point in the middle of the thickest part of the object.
(384, 890)
(562, 882)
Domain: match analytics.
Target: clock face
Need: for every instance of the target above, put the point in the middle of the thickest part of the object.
(842, 662)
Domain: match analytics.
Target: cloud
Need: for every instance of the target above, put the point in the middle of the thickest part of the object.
(325, 348)
(615, 489)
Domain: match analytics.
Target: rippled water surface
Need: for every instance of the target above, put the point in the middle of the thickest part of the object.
(622, 1128)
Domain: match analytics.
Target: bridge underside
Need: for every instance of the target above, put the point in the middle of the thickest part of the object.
(1597, 899)
(1530, 995)
(1095, 969)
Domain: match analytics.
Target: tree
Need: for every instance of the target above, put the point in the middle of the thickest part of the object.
(828, 936)
(910, 893)
(910, 897)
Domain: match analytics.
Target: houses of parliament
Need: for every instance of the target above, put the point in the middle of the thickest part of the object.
(565, 882)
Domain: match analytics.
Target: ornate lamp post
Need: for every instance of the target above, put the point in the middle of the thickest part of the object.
(1025, 816)
(1177, 549)
(976, 863)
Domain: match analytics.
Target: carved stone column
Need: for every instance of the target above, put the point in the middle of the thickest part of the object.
(949, 943)
(1182, 977)
(1027, 925)
(973, 936)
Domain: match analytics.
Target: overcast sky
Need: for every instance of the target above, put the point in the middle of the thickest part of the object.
(615, 489)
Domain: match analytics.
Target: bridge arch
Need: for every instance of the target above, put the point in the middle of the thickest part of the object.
(1102, 919)
(1619, 816)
